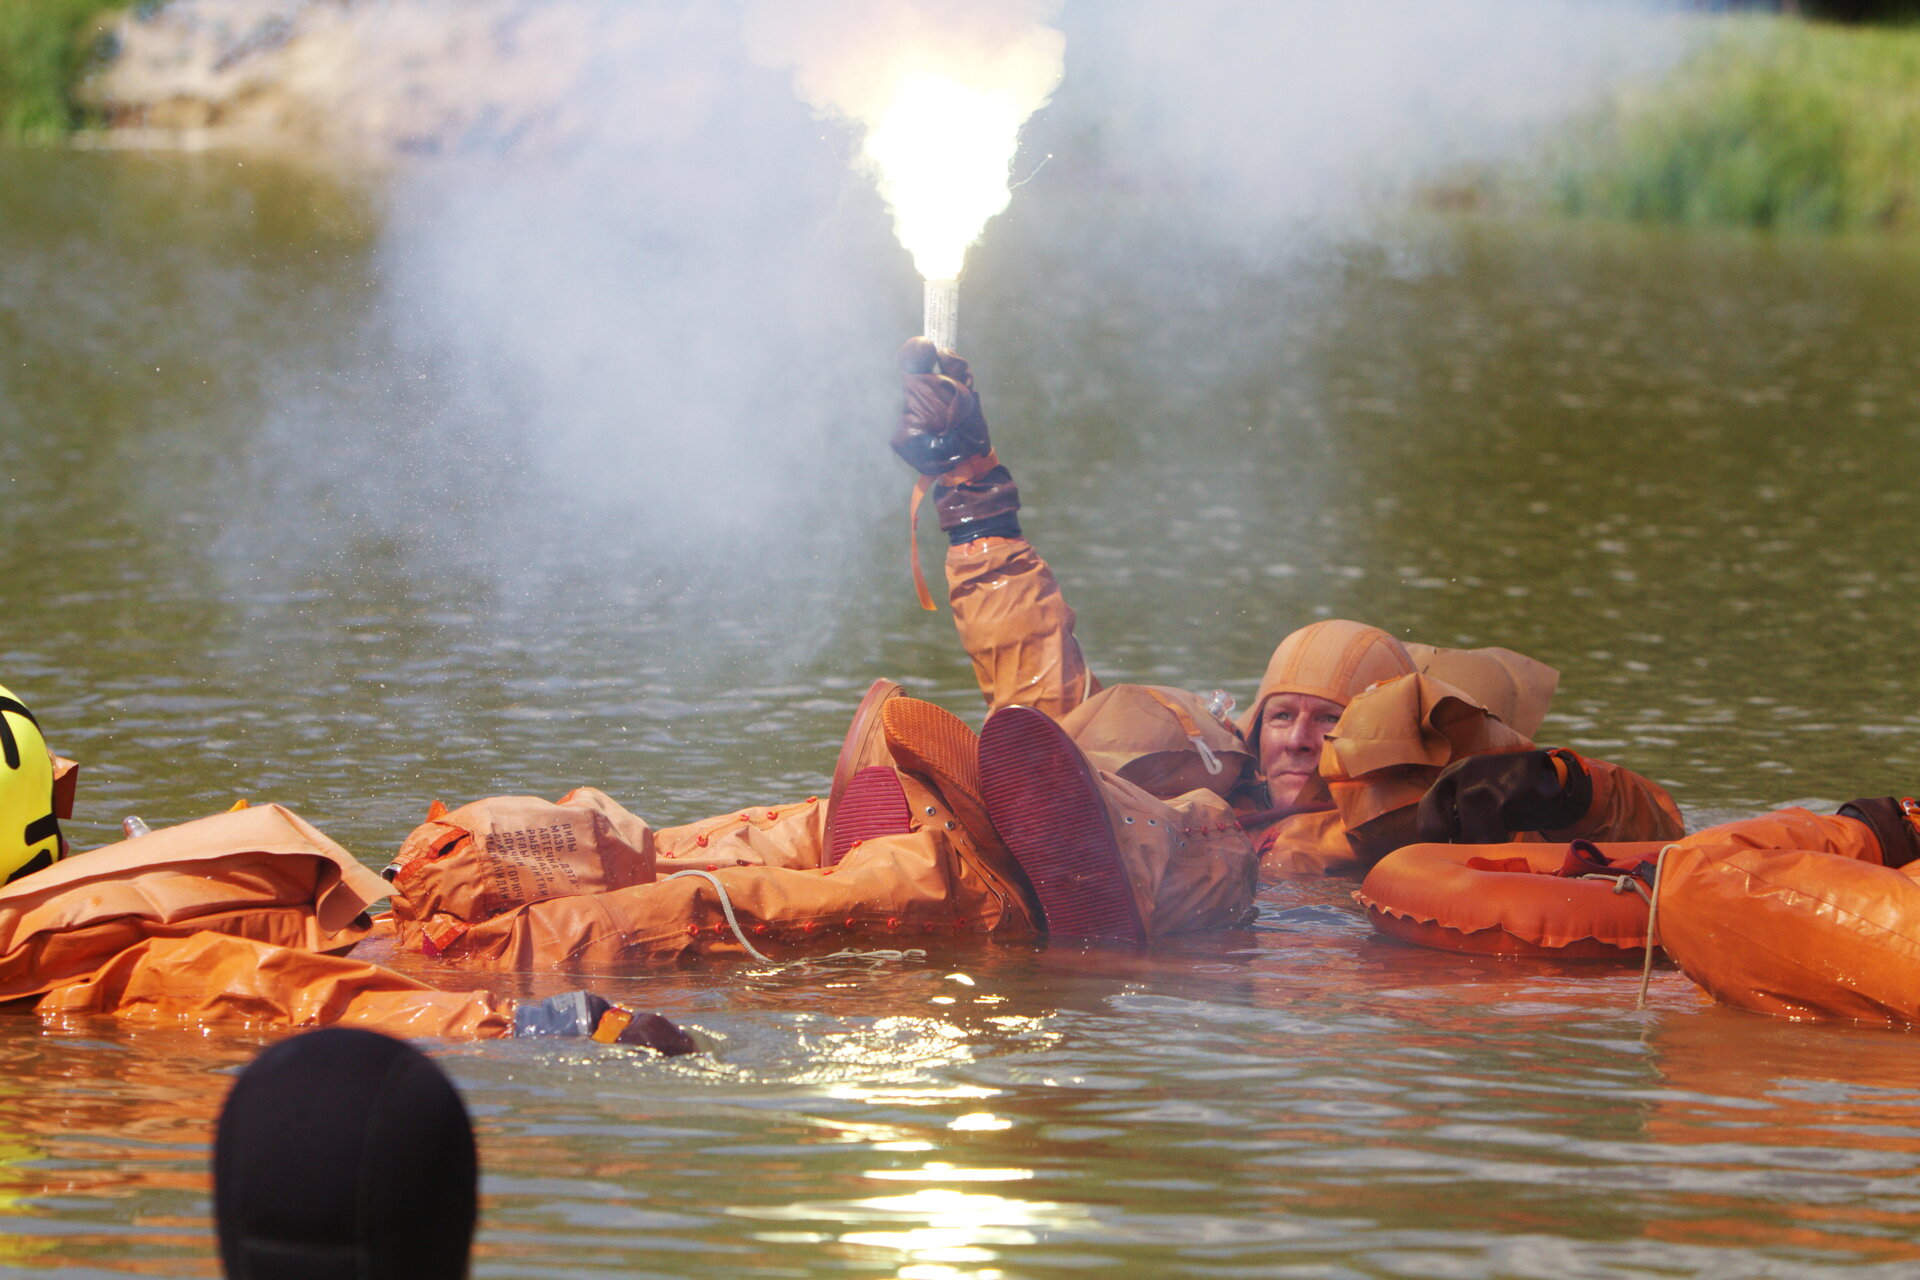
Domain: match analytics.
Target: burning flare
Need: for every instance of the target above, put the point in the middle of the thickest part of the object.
(940, 93)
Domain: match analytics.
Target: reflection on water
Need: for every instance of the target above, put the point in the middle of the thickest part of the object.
(1655, 461)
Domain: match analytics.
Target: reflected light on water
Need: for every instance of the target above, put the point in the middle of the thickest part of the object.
(933, 1229)
(896, 1096)
(937, 1171)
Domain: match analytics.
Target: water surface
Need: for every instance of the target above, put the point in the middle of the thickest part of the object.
(266, 538)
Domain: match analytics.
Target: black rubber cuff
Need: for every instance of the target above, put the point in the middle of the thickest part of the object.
(1006, 525)
(1884, 817)
(1575, 800)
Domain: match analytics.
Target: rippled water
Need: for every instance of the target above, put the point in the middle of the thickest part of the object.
(1670, 465)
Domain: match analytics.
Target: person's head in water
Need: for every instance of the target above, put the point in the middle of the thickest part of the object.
(344, 1153)
(1312, 676)
(29, 832)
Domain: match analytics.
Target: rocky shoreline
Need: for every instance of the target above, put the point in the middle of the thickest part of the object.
(366, 80)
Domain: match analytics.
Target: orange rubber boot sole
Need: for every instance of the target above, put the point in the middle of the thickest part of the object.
(1045, 802)
(938, 746)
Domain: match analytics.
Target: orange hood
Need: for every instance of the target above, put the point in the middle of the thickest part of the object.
(1335, 660)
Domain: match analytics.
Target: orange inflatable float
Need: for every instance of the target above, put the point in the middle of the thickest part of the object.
(1800, 915)
(1789, 912)
(1570, 902)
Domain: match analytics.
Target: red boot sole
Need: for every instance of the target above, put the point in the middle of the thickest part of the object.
(864, 745)
(1045, 802)
(871, 805)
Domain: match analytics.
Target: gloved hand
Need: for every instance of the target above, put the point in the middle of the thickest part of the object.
(584, 1015)
(1485, 799)
(942, 429)
(941, 425)
(1895, 823)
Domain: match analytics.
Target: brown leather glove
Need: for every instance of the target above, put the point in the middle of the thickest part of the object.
(1485, 799)
(943, 434)
(941, 425)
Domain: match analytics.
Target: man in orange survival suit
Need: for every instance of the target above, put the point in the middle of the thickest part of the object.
(1125, 814)
(1080, 811)
(1349, 727)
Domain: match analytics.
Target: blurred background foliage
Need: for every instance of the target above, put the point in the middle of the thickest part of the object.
(45, 47)
(1772, 123)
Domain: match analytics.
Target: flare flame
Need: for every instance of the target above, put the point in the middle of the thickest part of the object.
(940, 94)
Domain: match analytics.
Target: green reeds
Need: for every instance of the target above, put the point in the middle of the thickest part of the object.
(1772, 123)
(44, 46)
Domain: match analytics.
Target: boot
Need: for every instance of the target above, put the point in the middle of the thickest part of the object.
(1108, 860)
(864, 746)
(938, 757)
(1894, 823)
(1045, 798)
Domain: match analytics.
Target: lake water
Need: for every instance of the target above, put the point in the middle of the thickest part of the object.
(278, 526)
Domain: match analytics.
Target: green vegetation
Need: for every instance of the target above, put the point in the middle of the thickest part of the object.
(1776, 123)
(44, 45)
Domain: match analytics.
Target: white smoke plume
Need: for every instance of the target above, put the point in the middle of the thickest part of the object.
(647, 356)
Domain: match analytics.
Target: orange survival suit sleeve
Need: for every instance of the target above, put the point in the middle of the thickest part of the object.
(1625, 806)
(1016, 626)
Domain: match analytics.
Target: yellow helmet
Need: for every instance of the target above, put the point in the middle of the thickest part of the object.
(29, 833)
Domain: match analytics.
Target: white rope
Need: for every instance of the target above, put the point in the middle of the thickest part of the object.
(1653, 919)
(1623, 883)
(726, 908)
(910, 953)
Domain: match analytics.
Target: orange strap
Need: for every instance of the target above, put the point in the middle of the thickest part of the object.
(969, 469)
(440, 933)
(612, 1023)
(1187, 726)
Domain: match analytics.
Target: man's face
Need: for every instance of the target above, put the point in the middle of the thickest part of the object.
(1292, 726)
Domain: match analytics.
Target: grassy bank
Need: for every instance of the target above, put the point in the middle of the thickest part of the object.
(1773, 122)
(44, 45)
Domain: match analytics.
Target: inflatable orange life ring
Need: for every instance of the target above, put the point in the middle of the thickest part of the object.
(1507, 900)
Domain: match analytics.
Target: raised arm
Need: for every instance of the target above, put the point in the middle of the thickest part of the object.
(1012, 618)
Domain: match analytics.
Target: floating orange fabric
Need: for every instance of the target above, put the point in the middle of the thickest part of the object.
(261, 873)
(1463, 897)
(213, 978)
(1792, 915)
(486, 858)
(777, 835)
(1414, 720)
(1393, 740)
(66, 781)
(1307, 844)
(1511, 685)
(889, 891)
